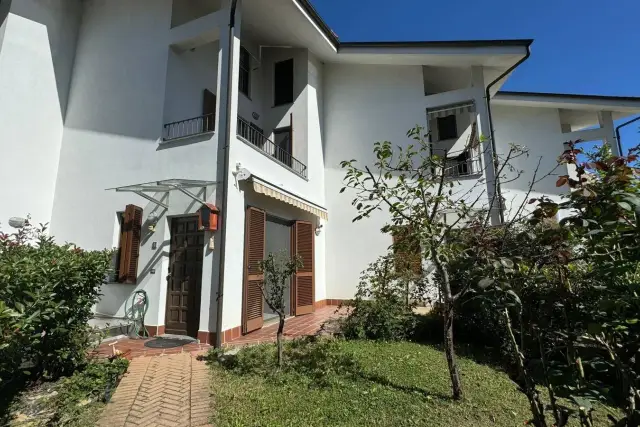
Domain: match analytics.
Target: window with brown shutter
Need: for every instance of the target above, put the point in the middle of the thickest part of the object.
(130, 238)
(407, 252)
(254, 252)
(303, 291)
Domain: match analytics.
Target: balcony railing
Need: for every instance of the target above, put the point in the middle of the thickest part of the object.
(461, 168)
(253, 135)
(189, 127)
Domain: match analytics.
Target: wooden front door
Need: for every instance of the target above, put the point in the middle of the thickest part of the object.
(184, 282)
(303, 284)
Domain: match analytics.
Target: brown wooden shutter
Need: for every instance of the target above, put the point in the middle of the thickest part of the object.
(208, 111)
(304, 279)
(407, 252)
(254, 250)
(130, 237)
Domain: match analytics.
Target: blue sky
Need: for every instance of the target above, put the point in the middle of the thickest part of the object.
(581, 46)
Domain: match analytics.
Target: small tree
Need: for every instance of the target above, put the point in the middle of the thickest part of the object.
(277, 269)
(416, 188)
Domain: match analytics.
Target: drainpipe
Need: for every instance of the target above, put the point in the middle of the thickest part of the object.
(491, 130)
(225, 178)
(618, 139)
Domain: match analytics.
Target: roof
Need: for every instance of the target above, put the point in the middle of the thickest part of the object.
(333, 37)
(559, 96)
(577, 110)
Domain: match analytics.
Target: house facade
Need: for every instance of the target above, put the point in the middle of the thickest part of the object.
(196, 136)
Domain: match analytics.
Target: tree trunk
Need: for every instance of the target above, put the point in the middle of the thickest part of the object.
(537, 408)
(279, 339)
(456, 386)
(447, 314)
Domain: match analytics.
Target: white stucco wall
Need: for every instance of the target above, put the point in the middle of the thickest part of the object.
(362, 104)
(111, 138)
(189, 73)
(36, 59)
(538, 129)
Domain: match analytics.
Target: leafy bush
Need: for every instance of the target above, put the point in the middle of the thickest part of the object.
(317, 360)
(383, 305)
(46, 294)
(565, 293)
(94, 384)
(74, 401)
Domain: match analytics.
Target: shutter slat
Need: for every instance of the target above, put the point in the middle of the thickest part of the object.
(130, 239)
(407, 251)
(254, 244)
(304, 278)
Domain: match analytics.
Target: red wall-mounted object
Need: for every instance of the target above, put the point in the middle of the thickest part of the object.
(208, 217)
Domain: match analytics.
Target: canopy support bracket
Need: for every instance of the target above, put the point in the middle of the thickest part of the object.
(190, 194)
(151, 199)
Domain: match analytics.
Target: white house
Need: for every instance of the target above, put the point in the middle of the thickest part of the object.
(124, 122)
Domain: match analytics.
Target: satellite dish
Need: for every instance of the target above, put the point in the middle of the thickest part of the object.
(243, 174)
(17, 222)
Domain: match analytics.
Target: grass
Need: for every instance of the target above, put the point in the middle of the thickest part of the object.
(354, 383)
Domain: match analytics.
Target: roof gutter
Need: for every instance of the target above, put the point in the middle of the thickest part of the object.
(618, 138)
(225, 178)
(491, 129)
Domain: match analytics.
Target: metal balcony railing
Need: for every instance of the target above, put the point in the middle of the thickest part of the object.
(253, 135)
(189, 127)
(461, 168)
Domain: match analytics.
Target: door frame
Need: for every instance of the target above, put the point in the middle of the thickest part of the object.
(195, 328)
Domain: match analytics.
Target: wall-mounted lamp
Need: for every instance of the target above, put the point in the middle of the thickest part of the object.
(319, 229)
(152, 221)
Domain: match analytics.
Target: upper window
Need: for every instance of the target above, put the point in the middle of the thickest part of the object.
(283, 83)
(447, 128)
(244, 82)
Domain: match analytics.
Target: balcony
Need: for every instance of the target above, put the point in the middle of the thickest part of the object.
(189, 127)
(254, 136)
(463, 166)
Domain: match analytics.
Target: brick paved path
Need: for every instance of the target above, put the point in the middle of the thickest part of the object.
(170, 390)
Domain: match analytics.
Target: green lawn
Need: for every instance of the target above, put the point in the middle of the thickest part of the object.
(354, 383)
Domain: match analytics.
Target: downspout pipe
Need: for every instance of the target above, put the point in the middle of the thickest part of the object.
(225, 177)
(491, 129)
(618, 138)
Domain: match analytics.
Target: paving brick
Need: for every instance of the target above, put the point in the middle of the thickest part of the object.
(162, 390)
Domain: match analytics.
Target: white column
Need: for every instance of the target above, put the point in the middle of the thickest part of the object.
(605, 119)
(226, 136)
(484, 131)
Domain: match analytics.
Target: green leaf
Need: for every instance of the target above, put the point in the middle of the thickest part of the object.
(506, 262)
(515, 296)
(20, 307)
(485, 283)
(625, 206)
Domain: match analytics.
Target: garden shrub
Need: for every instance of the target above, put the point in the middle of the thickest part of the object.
(46, 294)
(75, 401)
(383, 305)
(93, 384)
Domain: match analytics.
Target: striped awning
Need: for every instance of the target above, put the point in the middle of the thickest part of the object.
(263, 187)
(452, 109)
